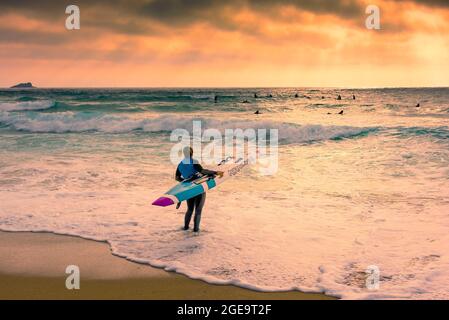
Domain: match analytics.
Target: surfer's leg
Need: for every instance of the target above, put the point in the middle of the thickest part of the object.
(188, 216)
(199, 203)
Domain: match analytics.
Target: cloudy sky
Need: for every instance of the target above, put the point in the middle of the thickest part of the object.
(143, 43)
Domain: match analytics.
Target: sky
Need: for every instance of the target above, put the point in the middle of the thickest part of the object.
(217, 43)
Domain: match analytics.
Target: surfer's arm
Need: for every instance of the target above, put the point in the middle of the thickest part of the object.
(178, 175)
(207, 172)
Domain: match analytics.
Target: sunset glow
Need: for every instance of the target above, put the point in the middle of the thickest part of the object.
(225, 43)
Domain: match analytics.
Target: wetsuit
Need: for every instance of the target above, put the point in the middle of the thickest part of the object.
(191, 168)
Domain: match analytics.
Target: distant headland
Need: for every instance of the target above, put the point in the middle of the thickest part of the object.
(23, 85)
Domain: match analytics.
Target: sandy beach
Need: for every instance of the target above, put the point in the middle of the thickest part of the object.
(32, 266)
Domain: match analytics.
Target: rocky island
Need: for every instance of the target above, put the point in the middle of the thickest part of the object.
(23, 85)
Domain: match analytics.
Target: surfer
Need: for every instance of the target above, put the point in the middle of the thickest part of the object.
(189, 168)
(257, 112)
(339, 97)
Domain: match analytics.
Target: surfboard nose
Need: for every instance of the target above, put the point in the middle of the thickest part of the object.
(163, 202)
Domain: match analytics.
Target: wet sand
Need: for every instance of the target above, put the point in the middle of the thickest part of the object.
(32, 266)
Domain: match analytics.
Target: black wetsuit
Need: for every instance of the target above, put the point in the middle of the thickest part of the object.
(197, 202)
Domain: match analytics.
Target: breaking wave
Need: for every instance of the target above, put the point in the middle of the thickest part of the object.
(26, 105)
(65, 122)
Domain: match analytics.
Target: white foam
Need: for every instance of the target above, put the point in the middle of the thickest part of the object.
(75, 122)
(315, 226)
(26, 105)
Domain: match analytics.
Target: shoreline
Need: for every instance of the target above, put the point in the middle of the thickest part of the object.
(32, 266)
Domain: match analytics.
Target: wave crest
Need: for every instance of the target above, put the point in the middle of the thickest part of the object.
(26, 105)
(65, 122)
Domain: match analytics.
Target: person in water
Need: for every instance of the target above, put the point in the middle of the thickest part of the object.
(189, 169)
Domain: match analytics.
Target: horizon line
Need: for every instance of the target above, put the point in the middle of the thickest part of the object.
(230, 87)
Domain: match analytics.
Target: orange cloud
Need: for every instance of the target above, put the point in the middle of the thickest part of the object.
(265, 43)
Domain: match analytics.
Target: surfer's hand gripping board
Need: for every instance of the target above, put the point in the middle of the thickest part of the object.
(186, 190)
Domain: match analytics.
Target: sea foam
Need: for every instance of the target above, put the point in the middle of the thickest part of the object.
(26, 105)
(65, 122)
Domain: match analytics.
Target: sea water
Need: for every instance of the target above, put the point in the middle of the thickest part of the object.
(366, 188)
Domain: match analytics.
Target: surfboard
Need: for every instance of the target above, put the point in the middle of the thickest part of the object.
(186, 190)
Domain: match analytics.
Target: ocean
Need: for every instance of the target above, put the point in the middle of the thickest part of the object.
(369, 187)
